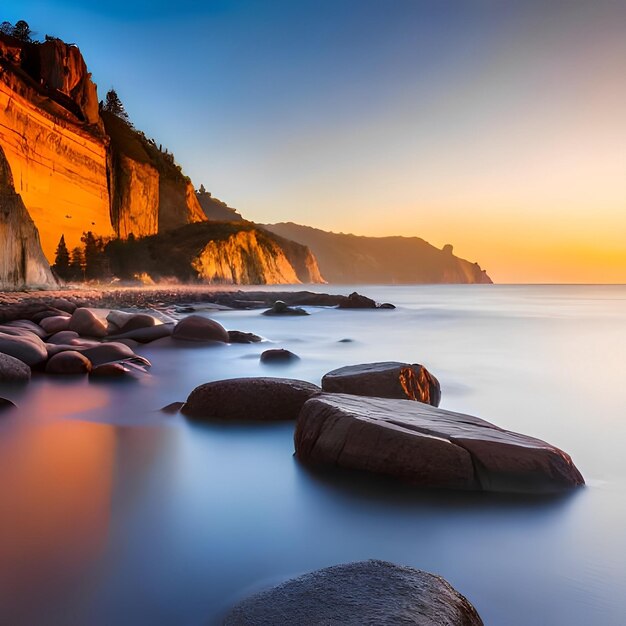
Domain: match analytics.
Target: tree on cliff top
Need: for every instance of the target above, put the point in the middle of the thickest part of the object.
(113, 104)
(22, 31)
(62, 260)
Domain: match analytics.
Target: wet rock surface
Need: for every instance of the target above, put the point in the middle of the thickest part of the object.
(12, 370)
(201, 329)
(387, 379)
(249, 399)
(368, 593)
(427, 447)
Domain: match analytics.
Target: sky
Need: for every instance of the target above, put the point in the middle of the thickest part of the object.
(496, 126)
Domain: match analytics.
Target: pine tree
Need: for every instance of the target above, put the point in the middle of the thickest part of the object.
(94, 258)
(77, 264)
(62, 260)
(114, 105)
(22, 31)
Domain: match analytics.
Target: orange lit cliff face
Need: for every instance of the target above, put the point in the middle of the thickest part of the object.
(56, 149)
(76, 170)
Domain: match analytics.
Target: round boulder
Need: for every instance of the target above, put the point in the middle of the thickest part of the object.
(198, 328)
(13, 370)
(358, 594)
(63, 337)
(86, 323)
(389, 379)
(249, 399)
(55, 324)
(68, 363)
(26, 347)
(108, 353)
(278, 356)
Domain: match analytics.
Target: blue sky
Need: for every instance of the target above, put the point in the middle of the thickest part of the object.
(468, 122)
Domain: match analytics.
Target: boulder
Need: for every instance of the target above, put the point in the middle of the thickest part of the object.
(109, 370)
(55, 324)
(238, 336)
(50, 312)
(144, 335)
(357, 301)
(63, 337)
(108, 353)
(427, 446)
(86, 323)
(28, 326)
(281, 308)
(368, 593)
(13, 370)
(198, 328)
(68, 363)
(249, 399)
(26, 347)
(131, 321)
(388, 379)
(172, 408)
(278, 356)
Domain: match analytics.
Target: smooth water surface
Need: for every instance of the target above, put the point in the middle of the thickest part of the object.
(114, 513)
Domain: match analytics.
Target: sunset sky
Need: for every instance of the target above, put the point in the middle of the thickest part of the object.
(498, 127)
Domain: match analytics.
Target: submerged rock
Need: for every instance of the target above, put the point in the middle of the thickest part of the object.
(238, 336)
(388, 379)
(427, 447)
(249, 399)
(281, 308)
(12, 370)
(278, 355)
(369, 593)
(357, 301)
(198, 328)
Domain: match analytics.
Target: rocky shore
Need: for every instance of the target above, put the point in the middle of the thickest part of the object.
(22, 304)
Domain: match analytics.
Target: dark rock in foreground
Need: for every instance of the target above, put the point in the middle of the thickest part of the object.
(369, 593)
(68, 363)
(281, 308)
(12, 370)
(388, 379)
(198, 328)
(427, 447)
(278, 356)
(249, 399)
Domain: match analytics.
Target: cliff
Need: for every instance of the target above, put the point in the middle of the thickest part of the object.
(76, 168)
(219, 252)
(53, 140)
(149, 192)
(353, 259)
(22, 261)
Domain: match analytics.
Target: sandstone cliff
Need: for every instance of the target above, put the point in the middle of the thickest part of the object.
(53, 140)
(352, 259)
(22, 261)
(220, 252)
(149, 192)
(78, 169)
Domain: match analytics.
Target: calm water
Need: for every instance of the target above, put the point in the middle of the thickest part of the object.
(112, 513)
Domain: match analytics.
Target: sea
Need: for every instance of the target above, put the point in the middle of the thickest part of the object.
(114, 513)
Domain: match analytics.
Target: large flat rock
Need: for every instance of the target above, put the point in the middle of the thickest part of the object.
(369, 593)
(427, 446)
